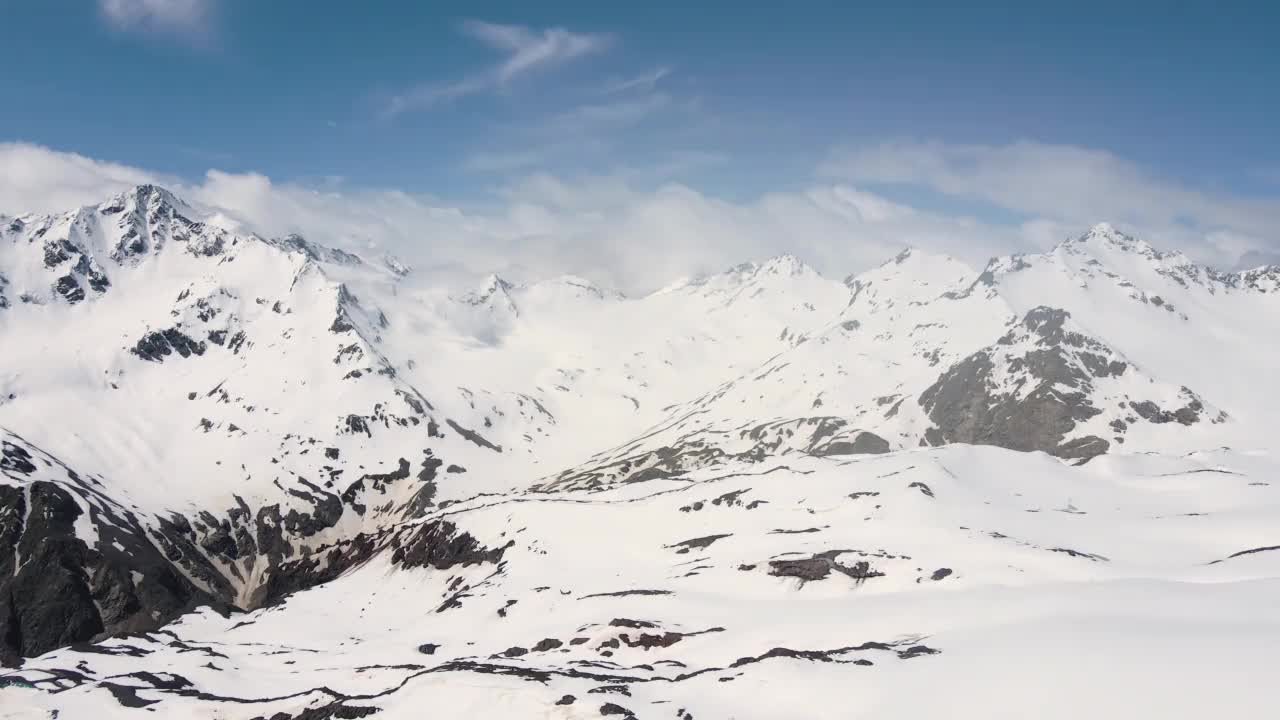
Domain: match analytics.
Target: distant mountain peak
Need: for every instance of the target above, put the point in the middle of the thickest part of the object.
(786, 264)
(1104, 235)
(927, 271)
(494, 283)
(494, 293)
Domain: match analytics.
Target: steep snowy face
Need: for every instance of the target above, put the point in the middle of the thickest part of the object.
(233, 390)
(197, 350)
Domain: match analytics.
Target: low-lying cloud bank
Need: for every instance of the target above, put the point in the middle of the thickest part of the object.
(637, 239)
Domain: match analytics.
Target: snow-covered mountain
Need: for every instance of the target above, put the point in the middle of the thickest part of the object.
(266, 478)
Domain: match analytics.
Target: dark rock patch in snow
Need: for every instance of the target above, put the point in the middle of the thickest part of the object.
(820, 566)
(697, 543)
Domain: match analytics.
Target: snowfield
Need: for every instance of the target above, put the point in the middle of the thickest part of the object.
(257, 478)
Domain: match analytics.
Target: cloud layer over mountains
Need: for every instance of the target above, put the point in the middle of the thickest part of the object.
(635, 237)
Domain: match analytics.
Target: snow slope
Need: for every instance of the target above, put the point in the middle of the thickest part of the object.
(347, 469)
(817, 587)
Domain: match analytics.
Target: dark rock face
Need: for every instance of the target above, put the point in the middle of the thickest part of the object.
(337, 710)
(696, 543)
(1188, 414)
(69, 289)
(342, 317)
(438, 545)
(82, 268)
(820, 566)
(473, 436)
(1049, 391)
(155, 346)
(56, 588)
(441, 545)
(864, 443)
(964, 406)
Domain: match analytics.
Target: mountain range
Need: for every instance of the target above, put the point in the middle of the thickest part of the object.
(256, 477)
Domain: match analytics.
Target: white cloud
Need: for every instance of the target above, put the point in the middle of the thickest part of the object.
(1070, 186)
(526, 50)
(189, 16)
(604, 227)
(530, 49)
(39, 180)
(600, 227)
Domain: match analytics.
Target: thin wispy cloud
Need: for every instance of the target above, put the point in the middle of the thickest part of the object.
(597, 136)
(527, 50)
(610, 115)
(644, 82)
(192, 17)
(1059, 182)
(531, 49)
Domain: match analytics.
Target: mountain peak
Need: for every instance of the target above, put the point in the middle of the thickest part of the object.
(1104, 235)
(917, 264)
(145, 197)
(1104, 228)
(493, 283)
(786, 264)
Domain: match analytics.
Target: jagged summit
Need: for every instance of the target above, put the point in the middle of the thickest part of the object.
(492, 291)
(147, 194)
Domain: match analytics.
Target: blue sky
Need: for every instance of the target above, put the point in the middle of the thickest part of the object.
(1191, 93)
(464, 101)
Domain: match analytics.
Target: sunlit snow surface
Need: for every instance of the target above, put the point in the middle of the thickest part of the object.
(997, 584)
(671, 519)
